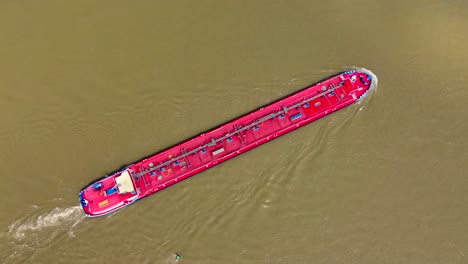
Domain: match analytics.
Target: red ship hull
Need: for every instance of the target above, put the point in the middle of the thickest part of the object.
(199, 153)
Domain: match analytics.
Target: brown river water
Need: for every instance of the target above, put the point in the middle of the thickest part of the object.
(87, 86)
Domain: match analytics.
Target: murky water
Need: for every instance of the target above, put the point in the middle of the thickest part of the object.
(88, 86)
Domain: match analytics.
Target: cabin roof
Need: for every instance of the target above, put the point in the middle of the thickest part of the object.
(124, 183)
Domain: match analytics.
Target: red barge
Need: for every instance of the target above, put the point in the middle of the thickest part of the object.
(165, 168)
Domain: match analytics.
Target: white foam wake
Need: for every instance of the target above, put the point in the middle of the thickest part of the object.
(46, 225)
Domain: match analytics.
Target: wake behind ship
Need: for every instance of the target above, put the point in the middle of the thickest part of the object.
(199, 153)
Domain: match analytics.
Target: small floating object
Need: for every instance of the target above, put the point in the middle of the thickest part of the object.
(163, 169)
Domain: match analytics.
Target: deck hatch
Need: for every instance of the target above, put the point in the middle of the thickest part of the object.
(296, 116)
(218, 151)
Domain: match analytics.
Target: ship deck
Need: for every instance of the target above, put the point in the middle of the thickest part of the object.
(235, 137)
